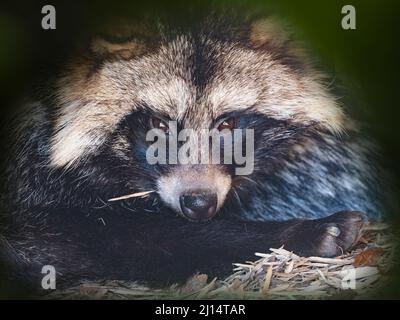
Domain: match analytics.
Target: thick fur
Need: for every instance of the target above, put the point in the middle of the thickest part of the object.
(83, 142)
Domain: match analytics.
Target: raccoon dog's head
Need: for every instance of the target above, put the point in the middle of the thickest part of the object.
(250, 76)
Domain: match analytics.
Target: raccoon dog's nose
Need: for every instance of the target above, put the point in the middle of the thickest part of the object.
(199, 205)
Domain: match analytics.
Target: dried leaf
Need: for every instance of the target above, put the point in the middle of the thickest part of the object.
(236, 284)
(363, 240)
(93, 292)
(267, 281)
(289, 267)
(369, 257)
(195, 283)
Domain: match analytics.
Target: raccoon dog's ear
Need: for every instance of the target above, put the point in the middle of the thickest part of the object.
(276, 36)
(271, 32)
(122, 39)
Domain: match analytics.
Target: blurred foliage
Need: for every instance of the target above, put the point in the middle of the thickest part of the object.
(363, 62)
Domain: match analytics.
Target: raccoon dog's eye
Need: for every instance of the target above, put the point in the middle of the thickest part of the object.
(157, 123)
(229, 124)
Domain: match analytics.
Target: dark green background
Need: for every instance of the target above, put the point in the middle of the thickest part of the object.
(363, 62)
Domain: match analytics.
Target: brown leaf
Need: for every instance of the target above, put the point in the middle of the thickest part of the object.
(369, 257)
(195, 283)
(362, 240)
(236, 284)
(92, 292)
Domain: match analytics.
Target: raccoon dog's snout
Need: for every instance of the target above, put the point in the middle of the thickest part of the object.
(195, 192)
(199, 205)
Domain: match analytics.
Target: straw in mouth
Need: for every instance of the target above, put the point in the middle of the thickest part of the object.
(141, 194)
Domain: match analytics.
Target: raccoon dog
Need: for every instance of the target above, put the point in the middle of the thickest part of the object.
(83, 142)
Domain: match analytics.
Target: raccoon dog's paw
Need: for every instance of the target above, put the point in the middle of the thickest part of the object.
(327, 237)
(339, 232)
